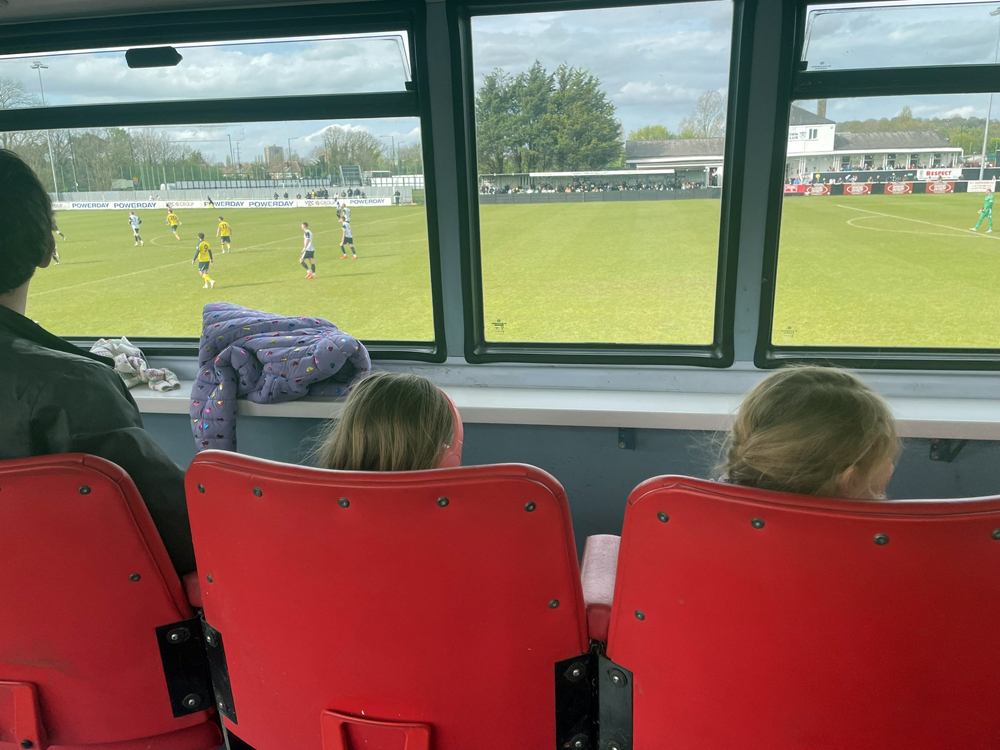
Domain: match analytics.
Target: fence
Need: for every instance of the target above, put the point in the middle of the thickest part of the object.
(231, 194)
(609, 195)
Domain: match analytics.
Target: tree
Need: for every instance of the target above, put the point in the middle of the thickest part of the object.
(582, 122)
(343, 147)
(539, 120)
(708, 119)
(651, 133)
(14, 95)
(409, 159)
(496, 121)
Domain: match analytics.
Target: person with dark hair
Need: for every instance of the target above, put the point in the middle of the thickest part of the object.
(57, 398)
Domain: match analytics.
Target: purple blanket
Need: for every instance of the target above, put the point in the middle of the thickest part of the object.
(267, 359)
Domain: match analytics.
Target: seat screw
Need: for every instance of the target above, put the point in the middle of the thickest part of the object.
(996, 534)
(28, 743)
(134, 577)
(530, 507)
(209, 639)
(192, 700)
(209, 578)
(201, 488)
(617, 677)
(757, 523)
(579, 741)
(257, 491)
(881, 539)
(614, 746)
(443, 502)
(640, 615)
(575, 672)
(343, 502)
(178, 635)
(553, 604)
(84, 490)
(663, 517)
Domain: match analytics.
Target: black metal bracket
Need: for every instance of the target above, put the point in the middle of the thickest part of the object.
(614, 690)
(219, 669)
(185, 666)
(626, 438)
(945, 449)
(576, 709)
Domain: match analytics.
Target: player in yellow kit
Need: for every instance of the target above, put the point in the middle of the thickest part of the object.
(174, 223)
(225, 235)
(204, 257)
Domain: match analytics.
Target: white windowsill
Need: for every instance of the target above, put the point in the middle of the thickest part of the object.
(929, 417)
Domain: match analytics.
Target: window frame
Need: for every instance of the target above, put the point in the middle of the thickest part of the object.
(798, 84)
(246, 25)
(718, 354)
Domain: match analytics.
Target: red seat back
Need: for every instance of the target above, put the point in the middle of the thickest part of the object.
(440, 598)
(84, 583)
(757, 619)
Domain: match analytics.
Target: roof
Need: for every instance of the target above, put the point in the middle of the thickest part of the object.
(799, 116)
(889, 141)
(675, 147)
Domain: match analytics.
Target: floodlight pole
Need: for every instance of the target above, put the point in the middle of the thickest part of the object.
(989, 110)
(48, 137)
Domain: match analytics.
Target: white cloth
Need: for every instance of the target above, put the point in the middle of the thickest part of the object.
(131, 365)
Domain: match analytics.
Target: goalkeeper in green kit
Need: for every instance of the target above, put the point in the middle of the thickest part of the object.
(986, 212)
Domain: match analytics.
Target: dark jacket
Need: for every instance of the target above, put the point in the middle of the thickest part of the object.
(57, 398)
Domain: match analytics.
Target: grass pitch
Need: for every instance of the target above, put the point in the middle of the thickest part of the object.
(864, 270)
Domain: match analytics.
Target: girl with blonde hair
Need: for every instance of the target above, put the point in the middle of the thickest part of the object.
(813, 431)
(390, 422)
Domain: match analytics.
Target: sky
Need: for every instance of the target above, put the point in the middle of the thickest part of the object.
(653, 61)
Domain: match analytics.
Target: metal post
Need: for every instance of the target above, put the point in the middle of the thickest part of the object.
(989, 110)
(39, 67)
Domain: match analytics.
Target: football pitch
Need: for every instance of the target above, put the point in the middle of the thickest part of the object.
(853, 270)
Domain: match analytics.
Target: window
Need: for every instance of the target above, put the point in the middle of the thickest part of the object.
(601, 150)
(890, 262)
(263, 167)
(900, 35)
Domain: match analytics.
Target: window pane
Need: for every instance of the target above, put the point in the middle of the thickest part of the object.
(601, 137)
(322, 65)
(901, 35)
(109, 284)
(877, 241)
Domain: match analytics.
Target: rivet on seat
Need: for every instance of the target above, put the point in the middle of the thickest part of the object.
(553, 604)
(343, 502)
(757, 523)
(881, 539)
(663, 517)
(443, 502)
(134, 577)
(640, 615)
(84, 490)
(530, 507)
(257, 491)
(201, 488)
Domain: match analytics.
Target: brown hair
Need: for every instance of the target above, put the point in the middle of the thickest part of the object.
(391, 422)
(801, 428)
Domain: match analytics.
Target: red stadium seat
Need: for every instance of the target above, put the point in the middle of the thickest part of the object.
(744, 618)
(93, 619)
(431, 609)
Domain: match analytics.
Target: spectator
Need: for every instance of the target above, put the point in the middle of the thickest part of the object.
(56, 398)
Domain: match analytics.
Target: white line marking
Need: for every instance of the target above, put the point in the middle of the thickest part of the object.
(965, 232)
(850, 223)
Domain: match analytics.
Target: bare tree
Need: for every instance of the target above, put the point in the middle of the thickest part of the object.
(342, 147)
(14, 95)
(708, 120)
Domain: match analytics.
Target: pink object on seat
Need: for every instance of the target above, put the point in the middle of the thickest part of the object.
(445, 598)
(85, 582)
(342, 732)
(598, 570)
(192, 588)
(766, 620)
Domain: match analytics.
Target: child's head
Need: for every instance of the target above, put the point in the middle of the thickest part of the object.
(221, 219)
(813, 431)
(201, 235)
(390, 422)
(305, 224)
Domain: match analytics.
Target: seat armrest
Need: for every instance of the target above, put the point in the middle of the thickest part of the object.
(192, 587)
(598, 571)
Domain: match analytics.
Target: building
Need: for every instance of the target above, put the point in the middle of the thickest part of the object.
(274, 154)
(814, 146)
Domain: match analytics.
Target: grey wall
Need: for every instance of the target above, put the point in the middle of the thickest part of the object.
(598, 475)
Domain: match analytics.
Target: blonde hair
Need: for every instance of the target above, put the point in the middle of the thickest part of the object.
(801, 428)
(390, 422)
